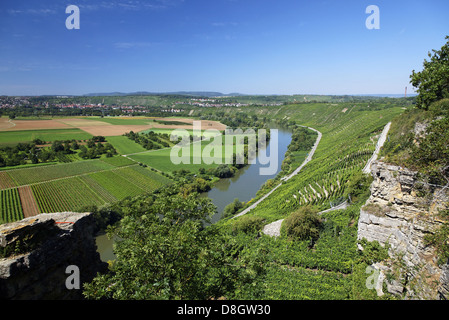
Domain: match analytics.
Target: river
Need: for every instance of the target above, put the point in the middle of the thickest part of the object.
(243, 185)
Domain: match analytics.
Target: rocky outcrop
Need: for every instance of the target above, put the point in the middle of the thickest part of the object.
(400, 212)
(38, 256)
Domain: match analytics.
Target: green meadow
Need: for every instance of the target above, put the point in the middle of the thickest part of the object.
(14, 137)
(204, 133)
(115, 121)
(200, 155)
(124, 145)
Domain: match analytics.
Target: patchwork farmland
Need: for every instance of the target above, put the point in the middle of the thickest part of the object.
(28, 190)
(102, 183)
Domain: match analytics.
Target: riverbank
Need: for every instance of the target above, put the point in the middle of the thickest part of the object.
(247, 182)
(286, 178)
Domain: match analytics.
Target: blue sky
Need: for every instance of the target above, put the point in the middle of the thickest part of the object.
(246, 46)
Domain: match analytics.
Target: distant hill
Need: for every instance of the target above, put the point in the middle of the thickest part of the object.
(183, 93)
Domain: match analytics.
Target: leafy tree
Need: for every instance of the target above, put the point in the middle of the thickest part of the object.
(357, 186)
(75, 145)
(223, 171)
(166, 253)
(57, 146)
(232, 208)
(440, 108)
(433, 81)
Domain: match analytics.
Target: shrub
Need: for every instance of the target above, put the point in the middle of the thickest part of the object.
(232, 208)
(303, 224)
(440, 108)
(248, 224)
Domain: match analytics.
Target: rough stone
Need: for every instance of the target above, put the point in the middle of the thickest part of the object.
(405, 221)
(50, 243)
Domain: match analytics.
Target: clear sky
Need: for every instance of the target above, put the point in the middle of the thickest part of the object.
(246, 46)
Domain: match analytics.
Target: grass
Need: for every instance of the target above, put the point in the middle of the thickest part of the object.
(118, 121)
(160, 159)
(204, 133)
(13, 137)
(124, 145)
(118, 161)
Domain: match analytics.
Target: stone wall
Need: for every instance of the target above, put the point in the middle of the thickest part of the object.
(35, 253)
(401, 211)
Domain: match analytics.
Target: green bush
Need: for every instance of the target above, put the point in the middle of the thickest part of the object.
(248, 224)
(232, 208)
(303, 224)
(440, 107)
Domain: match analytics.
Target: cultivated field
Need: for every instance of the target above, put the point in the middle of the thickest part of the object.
(17, 125)
(92, 126)
(14, 137)
(29, 190)
(69, 187)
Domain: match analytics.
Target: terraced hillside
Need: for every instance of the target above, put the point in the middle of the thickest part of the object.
(331, 267)
(349, 138)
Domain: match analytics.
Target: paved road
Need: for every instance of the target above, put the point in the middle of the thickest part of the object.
(309, 157)
(380, 143)
(274, 228)
(286, 178)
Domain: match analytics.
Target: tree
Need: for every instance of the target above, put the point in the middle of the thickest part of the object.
(432, 82)
(165, 252)
(357, 186)
(223, 171)
(232, 208)
(57, 146)
(248, 224)
(439, 237)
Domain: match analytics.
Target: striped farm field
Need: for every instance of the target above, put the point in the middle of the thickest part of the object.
(72, 186)
(142, 177)
(40, 174)
(118, 161)
(64, 195)
(10, 206)
(124, 145)
(6, 181)
(116, 184)
(29, 205)
(98, 189)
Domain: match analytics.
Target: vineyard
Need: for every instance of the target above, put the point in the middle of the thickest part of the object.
(295, 269)
(348, 141)
(11, 209)
(63, 195)
(32, 175)
(307, 284)
(73, 186)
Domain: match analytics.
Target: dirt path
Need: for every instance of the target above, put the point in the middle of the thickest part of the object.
(29, 205)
